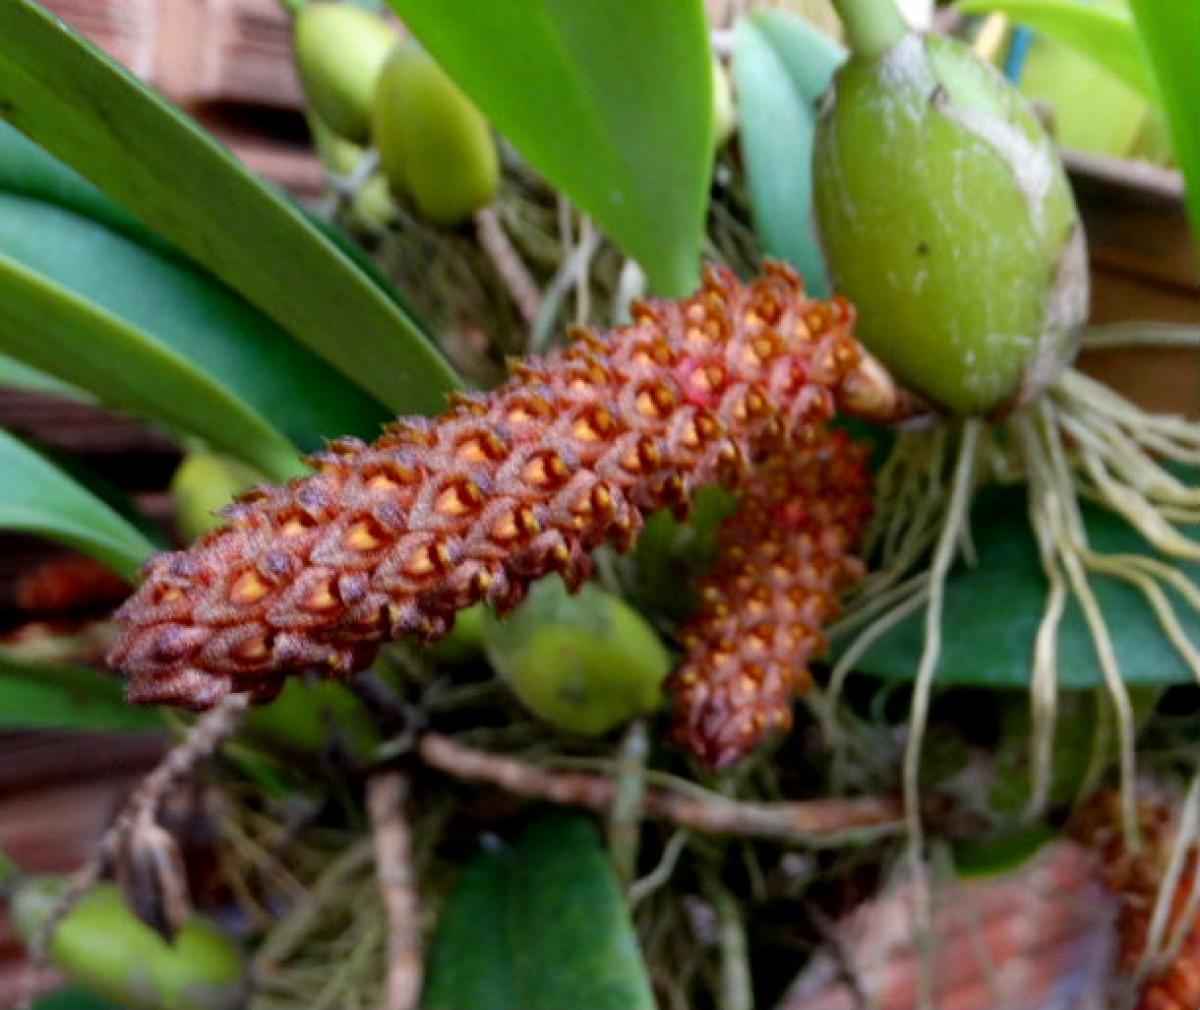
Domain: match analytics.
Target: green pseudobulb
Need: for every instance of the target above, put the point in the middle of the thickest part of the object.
(340, 51)
(434, 145)
(584, 663)
(946, 217)
(104, 948)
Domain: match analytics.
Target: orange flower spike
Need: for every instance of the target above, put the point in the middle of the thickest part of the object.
(393, 538)
(782, 559)
(1135, 877)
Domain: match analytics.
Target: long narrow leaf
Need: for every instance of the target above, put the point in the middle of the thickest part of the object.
(48, 327)
(181, 308)
(30, 170)
(1170, 32)
(783, 64)
(1103, 32)
(16, 374)
(37, 497)
(68, 96)
(610, 102)
(45, 696)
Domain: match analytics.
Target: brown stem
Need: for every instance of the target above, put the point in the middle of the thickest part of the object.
(386, 793)
(206, 735)
(806, 822)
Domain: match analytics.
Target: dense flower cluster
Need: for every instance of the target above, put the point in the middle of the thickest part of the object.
(1135, 876)
(782, 559)
(395, 537)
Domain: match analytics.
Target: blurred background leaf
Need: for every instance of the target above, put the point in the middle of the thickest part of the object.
(68, 96)
(1170, 31)
(614, 111)
(39, 498)
(44, 696)
(1105, 32)
(540, 925)
(783, 64)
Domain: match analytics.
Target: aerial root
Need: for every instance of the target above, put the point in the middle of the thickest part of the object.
(1163, 943)
(1081, 441)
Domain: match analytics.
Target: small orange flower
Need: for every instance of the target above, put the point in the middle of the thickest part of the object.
(782, 559)
(1135, 878)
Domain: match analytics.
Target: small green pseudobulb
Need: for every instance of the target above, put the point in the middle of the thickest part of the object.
(434, 145)
(946, 217)
(104, 948)
(340, 51)
(585, 663)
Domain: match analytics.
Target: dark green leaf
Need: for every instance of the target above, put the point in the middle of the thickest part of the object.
(538, 926)
(612, 104)
(1170, 33)
(37, 497)
(993, 611)
(783, 64)
(1103, 32)
(16, 374)
(29, 170)
(50, 328)
(42, 696)
(181, 309)
(68, 96)
(73, 998)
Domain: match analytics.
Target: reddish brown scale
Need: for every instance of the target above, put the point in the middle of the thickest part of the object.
(782, 559)
(1135, 877)
(395, 537)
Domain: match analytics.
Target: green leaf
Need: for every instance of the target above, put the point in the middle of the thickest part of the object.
(611, 103)
(538, 926)
(992, 612)
(50, 328)
(783, 64)
(16, 374)
(1170, 33)
(37, 497)
(42, 696)
(1103, 32)
(72, 99)
(30, 170)
(181, 309)
(73, 998)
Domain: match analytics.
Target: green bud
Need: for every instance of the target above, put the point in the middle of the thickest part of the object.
(946, 217)
(585, 663)
(204, 483)
(340, 50)
(104, 948)
(434, 144)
